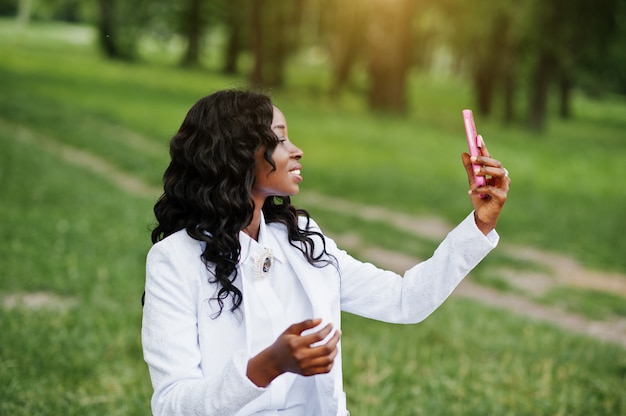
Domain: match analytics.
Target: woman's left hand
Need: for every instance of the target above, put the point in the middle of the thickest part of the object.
(494, 193)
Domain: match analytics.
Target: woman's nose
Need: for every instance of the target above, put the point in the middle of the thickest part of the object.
(297, 152)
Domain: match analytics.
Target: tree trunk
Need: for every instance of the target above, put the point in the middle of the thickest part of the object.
(233, 49)
(390, 56)
(234, 42)
(508, 76)
(256, 77)
(509, 98)
(24, 12)
(565, 90)
(347, 23)
(540, 83)
(274, 27)
(484, 80)
(107, 28)
(193, 29)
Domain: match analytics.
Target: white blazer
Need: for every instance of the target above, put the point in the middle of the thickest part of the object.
(198, 362)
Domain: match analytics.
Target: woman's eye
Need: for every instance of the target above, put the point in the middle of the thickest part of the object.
(281, 140)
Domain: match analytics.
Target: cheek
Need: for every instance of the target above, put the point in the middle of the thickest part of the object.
(261, 165)
(262, 170)
(281, 157)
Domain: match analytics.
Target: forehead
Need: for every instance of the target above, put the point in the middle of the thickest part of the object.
(278, 120)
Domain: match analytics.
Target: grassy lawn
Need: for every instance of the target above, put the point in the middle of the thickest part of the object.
(80, 241)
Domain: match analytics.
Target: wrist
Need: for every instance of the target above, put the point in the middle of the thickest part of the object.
(484, 226)
(260, 371)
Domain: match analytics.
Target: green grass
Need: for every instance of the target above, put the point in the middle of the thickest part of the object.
(470, 360)
(74, 235)
(594, 304)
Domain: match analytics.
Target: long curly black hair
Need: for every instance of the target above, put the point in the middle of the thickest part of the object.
(208, 185)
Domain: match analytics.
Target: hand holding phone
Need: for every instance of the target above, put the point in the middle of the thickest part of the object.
(474, 142)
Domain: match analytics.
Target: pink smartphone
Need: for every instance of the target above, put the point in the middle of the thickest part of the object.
(474, 142)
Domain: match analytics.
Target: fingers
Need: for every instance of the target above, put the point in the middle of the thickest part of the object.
(308, 354)
(491, 168)
(300, 327)
(314, 338)
(494, 172)
(468, 168)
(493, 193)
(486, 161)
(321, 358)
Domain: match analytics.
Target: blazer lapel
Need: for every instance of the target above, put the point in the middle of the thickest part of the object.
(322, 287)
(321, 284)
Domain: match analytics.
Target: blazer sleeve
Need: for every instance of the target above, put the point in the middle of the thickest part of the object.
(170, 340)
(383, 295)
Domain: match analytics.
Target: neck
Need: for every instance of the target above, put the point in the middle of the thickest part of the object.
(255, 225)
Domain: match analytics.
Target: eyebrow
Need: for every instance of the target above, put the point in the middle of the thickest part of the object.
(279, 126)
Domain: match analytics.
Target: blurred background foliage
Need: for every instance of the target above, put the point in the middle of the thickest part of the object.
(506, 50)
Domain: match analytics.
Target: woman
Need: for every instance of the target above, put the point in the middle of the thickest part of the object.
(244, 292)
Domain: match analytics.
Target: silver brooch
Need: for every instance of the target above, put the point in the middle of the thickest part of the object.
(262, 263)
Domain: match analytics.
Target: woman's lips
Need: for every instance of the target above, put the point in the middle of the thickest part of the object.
(296, 173)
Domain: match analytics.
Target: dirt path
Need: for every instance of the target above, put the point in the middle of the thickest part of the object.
(560, 270)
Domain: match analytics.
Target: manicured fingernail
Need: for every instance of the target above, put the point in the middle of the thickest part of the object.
(477, 171)
(473, 158)
(470, 192)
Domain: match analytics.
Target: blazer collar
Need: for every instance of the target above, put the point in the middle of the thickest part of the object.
(267, 239)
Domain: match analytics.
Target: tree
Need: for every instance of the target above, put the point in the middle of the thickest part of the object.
(544, 46)
(611, 66)
(485, 38)
(275, 37)
(119, 26)
(107, 24)
(389, 54)
(24, 11)
(564, 37)
(237, 34)
(195, 18)
(192, 26)
(344, 25)
(590, 53)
